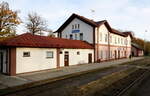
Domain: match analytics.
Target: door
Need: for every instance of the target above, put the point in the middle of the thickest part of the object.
(115, 54)
(118, 54)
(89, 58)
(125, 54)
(66, 59)
(1, 62)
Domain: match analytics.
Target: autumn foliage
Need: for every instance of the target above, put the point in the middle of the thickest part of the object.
(8, 20)
(145, 45)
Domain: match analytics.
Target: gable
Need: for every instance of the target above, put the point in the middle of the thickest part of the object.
(84, 28)
(72, 17)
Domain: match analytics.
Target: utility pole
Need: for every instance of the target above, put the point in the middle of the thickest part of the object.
(92, 13)
(145, 41)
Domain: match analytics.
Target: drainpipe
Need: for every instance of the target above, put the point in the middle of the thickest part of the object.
(97, 43)
(94, 44)
(108, 45)
(126, 48)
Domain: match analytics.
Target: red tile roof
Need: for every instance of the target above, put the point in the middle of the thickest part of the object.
(29, 40)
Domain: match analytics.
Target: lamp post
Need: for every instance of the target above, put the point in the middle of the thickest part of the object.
(145, 41)
(92, 13)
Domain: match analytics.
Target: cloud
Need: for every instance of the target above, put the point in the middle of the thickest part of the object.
(121, 14)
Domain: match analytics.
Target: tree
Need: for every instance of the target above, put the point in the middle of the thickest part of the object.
(36, 24)
(8, 20)
(50, 33)
(144, 44)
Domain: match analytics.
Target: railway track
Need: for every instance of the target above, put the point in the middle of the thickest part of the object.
(131, 85)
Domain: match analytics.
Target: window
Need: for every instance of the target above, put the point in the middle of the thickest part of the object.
(115, 40)
(121, 40)
(110, 39)
(106, 55)
(78, 26)
(81, 36)
(100, 36)
(118, 40)
(75, 36)
(66, 53)
(78, 53)
(71, 36)
(101, 54)
(26, 54)
(60, 52)
(75, 26)
(49, 54)
(72, 26)
(106, 38)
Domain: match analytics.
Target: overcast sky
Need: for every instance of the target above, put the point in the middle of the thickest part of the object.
(131, 15)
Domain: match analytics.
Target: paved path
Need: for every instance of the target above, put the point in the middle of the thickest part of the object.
(9, 81)
(67, 86)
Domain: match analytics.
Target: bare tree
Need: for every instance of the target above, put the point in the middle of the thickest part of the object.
(36, 24)
(8, 20)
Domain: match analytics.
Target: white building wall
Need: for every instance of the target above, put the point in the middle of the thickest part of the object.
(118, 43)
(84, 28)
(74, 58)
(103, 32)
(37, 60)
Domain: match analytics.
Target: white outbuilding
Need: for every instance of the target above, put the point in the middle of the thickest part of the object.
(29, 53)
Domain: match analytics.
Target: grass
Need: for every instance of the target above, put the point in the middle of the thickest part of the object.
(92, 87)
(143, 62)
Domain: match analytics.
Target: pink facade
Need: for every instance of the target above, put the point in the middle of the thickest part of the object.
(108, 43)
(109, 52)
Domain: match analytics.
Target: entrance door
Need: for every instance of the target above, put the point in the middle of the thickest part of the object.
(115, 54)
(1, 62)
(89, 58)
(125, 54)
(66, 59)
(118, 54)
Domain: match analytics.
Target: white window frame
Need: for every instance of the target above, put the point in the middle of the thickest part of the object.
(81, 36)
(49, 56)
(76, 36)
(27, 54)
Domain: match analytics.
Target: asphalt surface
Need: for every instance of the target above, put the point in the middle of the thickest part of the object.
(66, 87)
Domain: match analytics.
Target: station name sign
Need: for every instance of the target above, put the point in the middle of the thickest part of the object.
(75, 31)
